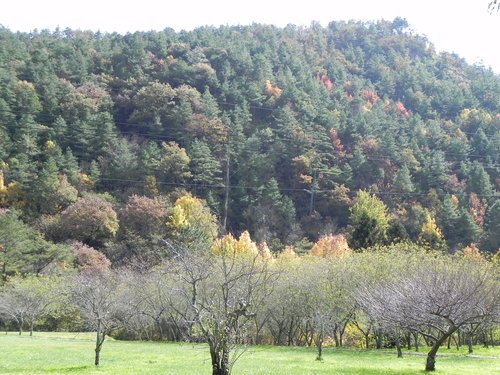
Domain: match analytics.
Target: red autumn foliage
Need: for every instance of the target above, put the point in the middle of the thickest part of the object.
(143, 215)
(454, 184)
(370, 96)
(401, 109)
(327, 82)
(477, 208)
(89, 259)
(337, 144)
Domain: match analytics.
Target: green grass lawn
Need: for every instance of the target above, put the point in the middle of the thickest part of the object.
(72, 353)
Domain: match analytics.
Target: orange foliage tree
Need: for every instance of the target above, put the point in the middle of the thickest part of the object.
(331, 245)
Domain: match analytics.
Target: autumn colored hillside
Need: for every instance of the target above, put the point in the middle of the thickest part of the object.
(356, 130)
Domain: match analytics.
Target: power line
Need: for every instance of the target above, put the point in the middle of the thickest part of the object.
(285, 189)
(159, 137)
(377, 157)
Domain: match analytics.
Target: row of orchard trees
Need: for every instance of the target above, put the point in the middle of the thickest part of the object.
(239, 293)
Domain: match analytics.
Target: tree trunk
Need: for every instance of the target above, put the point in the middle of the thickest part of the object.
(415, 336)
(97, 349)
(469, 343)
(431, 356)
(31, 328)
(278, 336)
(319, 345)
(430, 365)
(160, 328)
(408, 340)
(449, 343)
(257, 332)
(100, 337)
(336, 338)
(484, 338)
(281, 333)
(20, 324)
(215, 359)
(367, 340)
(341, 334)
(224, 365)
(290, 333)
(398, 348)
(378, 338)
(220, 363)
(320, 351)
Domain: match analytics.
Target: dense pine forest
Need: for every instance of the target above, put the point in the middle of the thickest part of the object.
(111, 146)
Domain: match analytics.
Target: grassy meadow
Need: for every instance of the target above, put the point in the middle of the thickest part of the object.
(72, 353)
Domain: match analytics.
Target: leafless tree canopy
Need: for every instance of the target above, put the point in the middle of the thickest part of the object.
(101, 299)
(434, 296)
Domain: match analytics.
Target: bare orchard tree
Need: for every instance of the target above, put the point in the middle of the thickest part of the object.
(13, 307)
(326, 283)
(341, 281)
(23, 300)
(153, 298)
(437, 296)
(101, 300)
(364, 324)
(222, 291)
(284, 309)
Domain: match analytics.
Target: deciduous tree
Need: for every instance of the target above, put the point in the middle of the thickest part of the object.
(90, 219)
(436, 298)
(102, 302)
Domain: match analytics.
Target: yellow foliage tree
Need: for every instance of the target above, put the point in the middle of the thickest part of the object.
(177, 218)
(454, 200)
(85, 180)
(192, 214)
(49, 145)
(11, 195)
(3, 189)
(331, 245)
(228, 245)
(431, 236)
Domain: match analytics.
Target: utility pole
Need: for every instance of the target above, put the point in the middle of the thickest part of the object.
(314, 187)
(226, 198)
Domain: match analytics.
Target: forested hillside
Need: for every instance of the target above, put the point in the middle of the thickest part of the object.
(358, 129)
